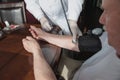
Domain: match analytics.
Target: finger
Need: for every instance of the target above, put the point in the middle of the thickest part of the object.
(34, 34)
(29, 38)
(33, 31)
(47, 27)
(25, 42)
(79, 32)
(24, 39)
(74, 39)
(33, 28)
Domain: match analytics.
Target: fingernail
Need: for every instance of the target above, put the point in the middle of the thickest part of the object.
(74, 41)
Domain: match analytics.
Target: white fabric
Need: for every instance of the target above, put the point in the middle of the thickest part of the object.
(53, 9)
(104, 65)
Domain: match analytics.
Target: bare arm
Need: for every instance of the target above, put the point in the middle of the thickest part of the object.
(42, 70)
(63, 41)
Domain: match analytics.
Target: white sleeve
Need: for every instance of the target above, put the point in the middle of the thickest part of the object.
(74, 9)
(34, 8)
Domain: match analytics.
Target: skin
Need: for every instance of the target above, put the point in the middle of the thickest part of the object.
(42, 70)
(111, 19)
(59, 40)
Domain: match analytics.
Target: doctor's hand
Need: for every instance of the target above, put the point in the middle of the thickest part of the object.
(75, 30)
(45, 24)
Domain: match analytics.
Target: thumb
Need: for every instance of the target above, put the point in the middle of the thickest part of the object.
(33, 28)
(74, 38)
(79, 32)
(49, 26)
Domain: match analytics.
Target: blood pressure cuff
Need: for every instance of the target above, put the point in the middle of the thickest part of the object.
(89, 44)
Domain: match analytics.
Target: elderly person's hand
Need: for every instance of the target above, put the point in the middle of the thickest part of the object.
(45, 24)
(75, 30)
(31, 45)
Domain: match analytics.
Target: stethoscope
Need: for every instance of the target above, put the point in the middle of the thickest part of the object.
(65, 16)
(73, 41)
(95, 31)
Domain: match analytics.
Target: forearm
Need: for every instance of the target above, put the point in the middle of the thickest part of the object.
(61, 41)
(42, 70)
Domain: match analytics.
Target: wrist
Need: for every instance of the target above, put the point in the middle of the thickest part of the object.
(42, 35)
(37, 52)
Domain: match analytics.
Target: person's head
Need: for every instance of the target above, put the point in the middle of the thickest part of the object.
(111, 20)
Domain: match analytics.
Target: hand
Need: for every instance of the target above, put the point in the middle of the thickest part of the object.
(45, 24)
(37, 33)
(75, 30)
(31, 45)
